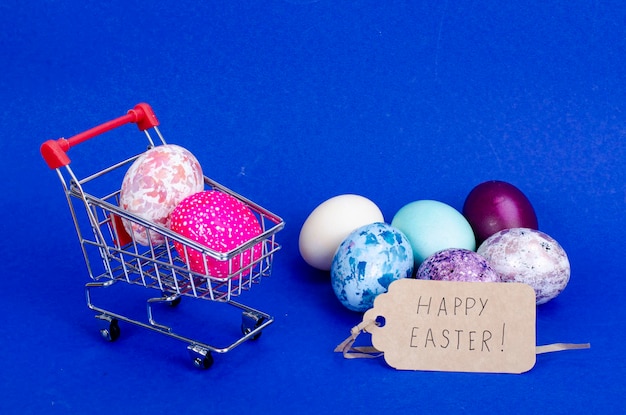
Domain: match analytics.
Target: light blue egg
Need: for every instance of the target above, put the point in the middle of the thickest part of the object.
(432, 226)
(367, 261)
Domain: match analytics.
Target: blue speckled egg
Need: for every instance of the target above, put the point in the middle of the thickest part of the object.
(367, 261)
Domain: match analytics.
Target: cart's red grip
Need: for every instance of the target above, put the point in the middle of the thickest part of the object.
(54, 152)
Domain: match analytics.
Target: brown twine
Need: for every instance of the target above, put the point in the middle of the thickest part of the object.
(369, 352)
(557, 347)
(365, 352)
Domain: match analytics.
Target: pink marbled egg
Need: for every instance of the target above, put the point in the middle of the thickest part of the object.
(154, 184)
(220, 222)
(528, 256)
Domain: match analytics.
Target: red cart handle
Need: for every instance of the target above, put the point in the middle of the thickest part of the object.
(54, 152)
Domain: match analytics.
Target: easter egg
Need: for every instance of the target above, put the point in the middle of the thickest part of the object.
(220, 222)
(154, 184)
(367, 261)
(528, 256)
(495, 205)
(457, 265)
(329, 224)
(432, 226)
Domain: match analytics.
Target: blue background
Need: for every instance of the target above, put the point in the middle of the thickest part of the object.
(290, 103)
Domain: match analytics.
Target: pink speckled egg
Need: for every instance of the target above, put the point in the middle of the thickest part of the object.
(528, 256)
(220, 222)
(154, 184)
(456, 264)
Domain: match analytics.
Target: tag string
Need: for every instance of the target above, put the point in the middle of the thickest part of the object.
(353, 352)
(369, 352)
(557, 347)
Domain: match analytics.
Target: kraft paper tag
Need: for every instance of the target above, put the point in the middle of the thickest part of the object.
(453, 327)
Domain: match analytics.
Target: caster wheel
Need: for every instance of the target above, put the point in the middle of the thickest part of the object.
(247, 330)
(204, 362)
(201, 357)
(250, 322)
(175, 299)
(112, 333)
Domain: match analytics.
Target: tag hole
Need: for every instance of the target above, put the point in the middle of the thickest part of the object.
(380, 321)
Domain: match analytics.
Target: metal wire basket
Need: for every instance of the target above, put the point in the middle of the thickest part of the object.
(113, 255)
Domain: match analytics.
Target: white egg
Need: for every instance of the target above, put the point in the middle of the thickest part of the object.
(330, 223)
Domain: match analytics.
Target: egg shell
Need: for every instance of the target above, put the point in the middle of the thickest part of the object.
(330, 223)
(495, 205)
(531, 257)
(367, 261)
(432, 226)
(457, 265)
(220, 222)
(154, 184)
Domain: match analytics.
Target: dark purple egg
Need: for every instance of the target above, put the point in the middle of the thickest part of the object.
(495, 205)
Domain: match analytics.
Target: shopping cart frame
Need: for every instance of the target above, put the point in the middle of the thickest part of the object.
(113, 255)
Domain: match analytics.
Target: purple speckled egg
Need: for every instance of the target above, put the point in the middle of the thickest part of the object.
(528, 256)
(457, 264)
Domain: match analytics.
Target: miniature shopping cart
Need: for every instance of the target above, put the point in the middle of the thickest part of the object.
(112, 254)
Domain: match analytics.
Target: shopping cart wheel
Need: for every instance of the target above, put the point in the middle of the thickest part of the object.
(202, 358)
(249, 322)
(171, 299)
(204, 362)
(113, 332)
(175, 300)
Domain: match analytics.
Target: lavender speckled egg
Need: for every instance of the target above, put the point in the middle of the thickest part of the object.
(528, 256)
(457, 265)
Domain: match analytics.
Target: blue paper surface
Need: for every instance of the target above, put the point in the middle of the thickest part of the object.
(290, 103)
